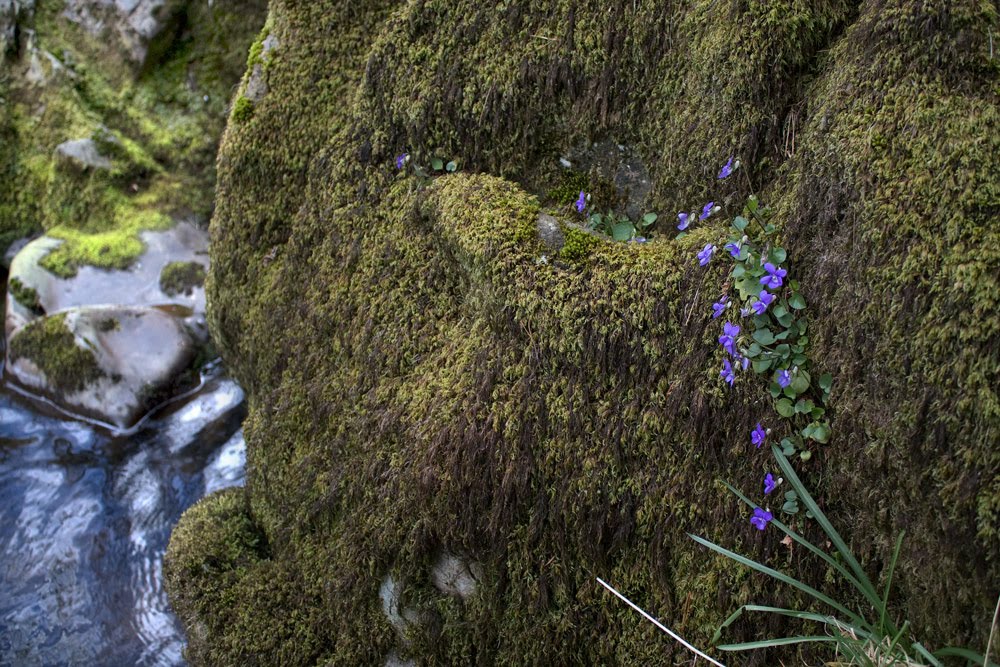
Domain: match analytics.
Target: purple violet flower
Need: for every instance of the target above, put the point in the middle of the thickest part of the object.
(581, 203)
(728, 338)
(727, 372)
(401, 160)
(758, 435)
(769, 484)
(744, 361)
(734, 249)
(784, 379)
(637, 239)
(763, 301)
(726, 168)
(707, 210)
(720, 307)
(773, 278)
(705, 256)
(761, 518)
(684, 222)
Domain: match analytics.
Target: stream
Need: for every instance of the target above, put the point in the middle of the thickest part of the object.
(85, 517)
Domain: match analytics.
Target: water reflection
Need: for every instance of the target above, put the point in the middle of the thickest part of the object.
(84, 521)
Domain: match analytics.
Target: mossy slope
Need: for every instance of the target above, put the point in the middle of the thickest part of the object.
(418, 381)
(157, 127)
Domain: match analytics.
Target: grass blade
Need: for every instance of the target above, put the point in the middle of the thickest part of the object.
(888, 583)
(810, 616)
(844, 572)
(784, 578)
(919, 648)
(866, 585)
(971, 656)
(768, 643)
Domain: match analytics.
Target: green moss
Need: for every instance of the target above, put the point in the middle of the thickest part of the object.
(181, 277)
(242, 109)
(569, 188)
(257, 48)
(49, 344)
(114, 249)
(438, 388)
(579, 245)
(24, 295)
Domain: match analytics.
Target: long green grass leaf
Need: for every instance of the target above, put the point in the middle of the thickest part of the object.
(971, 656)
(784, 578)
(919, 648)
(768, 643)
(810, 616)
(844, 572)
(866, 585)
(888, 584)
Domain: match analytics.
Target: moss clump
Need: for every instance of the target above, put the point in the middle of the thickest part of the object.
(181, 277)
(26, 296)
(50, 345)
(579, 245)
(242, 109)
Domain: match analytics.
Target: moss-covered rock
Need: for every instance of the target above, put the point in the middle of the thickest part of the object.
(437, 387)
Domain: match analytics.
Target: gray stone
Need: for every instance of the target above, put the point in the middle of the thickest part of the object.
(155, 337)
(138, 351)
(133, 25)
(455, 576)
(550, 232)
(257, 83)
(12, 14)
(82, 154)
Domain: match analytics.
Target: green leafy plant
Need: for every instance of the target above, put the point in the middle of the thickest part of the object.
(867, 637)
(620, 227)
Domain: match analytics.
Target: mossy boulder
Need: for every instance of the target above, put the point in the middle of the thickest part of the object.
(439, 388)
(143, 337)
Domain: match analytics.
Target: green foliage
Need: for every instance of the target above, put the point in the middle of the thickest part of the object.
(579, 245)
(866, 637)
(620, 227)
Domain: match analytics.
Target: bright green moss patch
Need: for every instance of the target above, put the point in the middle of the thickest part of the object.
(181, 277)
(579, 245)
(115, 249)
(242, 109)
(51, 346)
(24, 295)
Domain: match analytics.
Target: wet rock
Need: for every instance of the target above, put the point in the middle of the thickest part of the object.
(112, 363)
(12, 13)
(140, 338)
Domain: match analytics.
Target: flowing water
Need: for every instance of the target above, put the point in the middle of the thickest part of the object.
(85, 516)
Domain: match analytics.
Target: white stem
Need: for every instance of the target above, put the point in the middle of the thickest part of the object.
(993, 629)
(659, 625)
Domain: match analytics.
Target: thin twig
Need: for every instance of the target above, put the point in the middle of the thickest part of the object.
(659, 625)
(993, 629)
